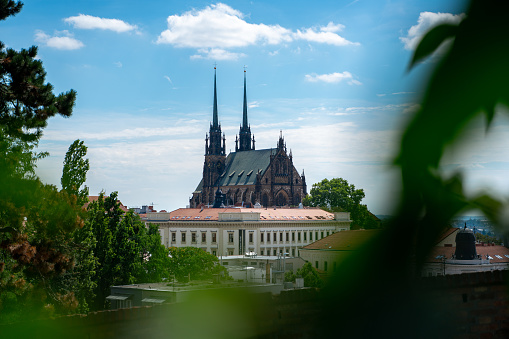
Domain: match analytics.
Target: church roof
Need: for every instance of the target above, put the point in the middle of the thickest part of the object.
(242, 167)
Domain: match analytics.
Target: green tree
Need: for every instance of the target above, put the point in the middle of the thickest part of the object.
(36, 220)
(74, 173)
(193, 262)
(156, 262)
(337, 195)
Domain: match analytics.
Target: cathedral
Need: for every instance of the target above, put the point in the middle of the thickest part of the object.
(247, 177)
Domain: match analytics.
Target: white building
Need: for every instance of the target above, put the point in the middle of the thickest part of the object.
(236, 231)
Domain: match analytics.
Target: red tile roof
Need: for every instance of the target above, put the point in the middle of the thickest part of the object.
(92, 198)
(343, 240)
(279, 214)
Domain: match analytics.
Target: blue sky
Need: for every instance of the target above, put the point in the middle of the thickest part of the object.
(330, 74)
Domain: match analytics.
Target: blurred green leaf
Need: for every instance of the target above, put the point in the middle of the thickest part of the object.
(431, 41)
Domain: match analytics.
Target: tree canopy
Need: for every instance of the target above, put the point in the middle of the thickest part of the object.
(193, 262)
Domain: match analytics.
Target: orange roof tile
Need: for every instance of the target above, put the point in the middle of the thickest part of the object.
(279, 214)
(343, 241)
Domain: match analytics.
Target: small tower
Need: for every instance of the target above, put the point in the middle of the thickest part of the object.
(246, 142)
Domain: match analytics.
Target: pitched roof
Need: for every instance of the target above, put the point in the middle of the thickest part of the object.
(92, 198)
(241, 167)
(343, 241)
(269, 214)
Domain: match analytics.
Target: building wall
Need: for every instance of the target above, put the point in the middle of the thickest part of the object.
(247, 236)
(325, 260)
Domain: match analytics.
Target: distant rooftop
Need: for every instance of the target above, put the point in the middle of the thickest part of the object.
(343, 241)
(268, 214)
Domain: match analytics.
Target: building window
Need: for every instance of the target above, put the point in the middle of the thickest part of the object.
(250, 237)
(214, 253)
(316, 264)
(281, 236)
(327, 233)
(261, 252)
(321, 233)
(293, 252)
(193, 237)
(183, 237)
(310, 236)
(203, 237)
(230, 238)
(214, 237)
(293, 236)
(261, 238)
(268, 237)
(274, 252)
(305, 236)
(325, 266)
(230, 252)
(173, 237)
(287, 236)
(316, 236)
(275, 236)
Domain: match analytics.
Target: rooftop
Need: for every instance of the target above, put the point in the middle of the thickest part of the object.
(269, 214)
(343, 241)
(495, 253)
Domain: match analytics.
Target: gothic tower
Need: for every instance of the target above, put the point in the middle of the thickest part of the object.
(215, 145)
(247, 143)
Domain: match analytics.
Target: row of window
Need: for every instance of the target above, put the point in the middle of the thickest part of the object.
(193, 237)
(264, 236)
(300, 236)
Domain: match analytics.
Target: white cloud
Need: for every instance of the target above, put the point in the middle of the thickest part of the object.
(168, 78)
(63, 40)
(426, 21)
(220, 26)
(216, 54)
(118, 64)
(331, 27)
(83, 21)
(333, 78)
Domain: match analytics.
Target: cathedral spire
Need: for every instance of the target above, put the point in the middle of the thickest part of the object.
(244, 113)
(215, 123)
(246, 142)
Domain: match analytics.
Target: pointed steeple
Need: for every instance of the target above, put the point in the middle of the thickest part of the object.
(215, 123)
(214, 142)
(245, 139)
(244, 112)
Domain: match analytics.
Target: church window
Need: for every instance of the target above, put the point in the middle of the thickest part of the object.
(296, 181)
(183, 237)
(266, 180)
